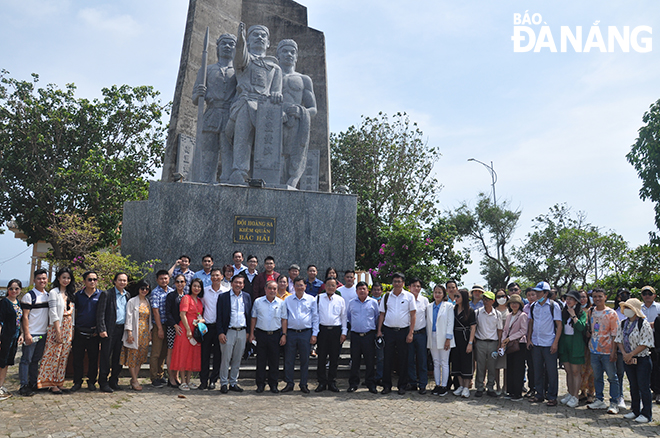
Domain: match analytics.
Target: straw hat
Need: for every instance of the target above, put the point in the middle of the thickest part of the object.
(635, 305)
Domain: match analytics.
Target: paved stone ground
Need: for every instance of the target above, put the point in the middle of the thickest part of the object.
(162, 413)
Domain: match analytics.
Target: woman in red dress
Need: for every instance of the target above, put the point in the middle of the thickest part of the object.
(187, 353)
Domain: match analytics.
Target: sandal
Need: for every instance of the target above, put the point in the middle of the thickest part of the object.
(56, 390)
(136, 386)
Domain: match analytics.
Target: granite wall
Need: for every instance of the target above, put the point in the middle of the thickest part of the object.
(197, 219)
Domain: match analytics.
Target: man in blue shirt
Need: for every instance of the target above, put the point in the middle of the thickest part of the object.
(237, 257)
(85, 337)
(313, 283)
(363, 316)
(205, 273)
(158, 338)
(181, 266)
(111, 317)
(543, 334)
(302, 329)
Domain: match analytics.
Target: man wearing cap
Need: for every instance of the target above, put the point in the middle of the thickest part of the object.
(363, 315)
(259, 77)
(487, 338)
(397, 323)
(651, 310)
(218, 92)
(294, 272)
(476, 293)
(543, 333)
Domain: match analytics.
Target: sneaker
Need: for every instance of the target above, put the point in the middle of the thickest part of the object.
(642, 419)
(443, 391)
(466, 393)
(517, 399)
(459, 391)
(630, 416)
(598, 404)
(436, 390)
(622, 404)
(613, 409)
(507, 396)
(184, 387)
(157, 384)
(565, 399)
(573, 402)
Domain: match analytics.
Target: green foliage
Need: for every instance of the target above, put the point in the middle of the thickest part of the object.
(61, 154)
(426, 253)
(645, 158)
(640, 267)
(387, 164)
(107, 263)
(75, 237)
(568, 252)
(490, 228)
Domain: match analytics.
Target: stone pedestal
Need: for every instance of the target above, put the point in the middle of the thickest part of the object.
(197, 219)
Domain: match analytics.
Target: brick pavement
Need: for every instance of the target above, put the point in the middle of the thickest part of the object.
(161, 413)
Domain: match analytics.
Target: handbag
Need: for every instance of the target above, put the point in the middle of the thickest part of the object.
(512, 347)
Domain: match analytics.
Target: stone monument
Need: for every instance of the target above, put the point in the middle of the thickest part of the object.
(265, 120)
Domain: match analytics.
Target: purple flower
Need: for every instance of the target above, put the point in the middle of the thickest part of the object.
(405, 247)
(381, 251)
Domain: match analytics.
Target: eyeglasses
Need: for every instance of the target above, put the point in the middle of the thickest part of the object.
(180, 281)
(92, 279)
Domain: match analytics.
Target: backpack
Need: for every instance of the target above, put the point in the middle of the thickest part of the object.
(34, 304)
(552, 314)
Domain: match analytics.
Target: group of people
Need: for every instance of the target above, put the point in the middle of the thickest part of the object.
(205, 323)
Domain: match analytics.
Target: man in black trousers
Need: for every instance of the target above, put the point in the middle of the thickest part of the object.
(110, 319)
(363, 316)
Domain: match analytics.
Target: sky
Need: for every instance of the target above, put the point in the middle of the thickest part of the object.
(556, 125)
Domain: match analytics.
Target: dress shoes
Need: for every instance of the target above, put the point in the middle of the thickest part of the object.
(320, 388)
(352, 389)
(235, 388)
(288, 387)
(333, 387)
(401, 391)
(373, 390)
(260, 389)
(26, 391)
(274, 389)
(76, 387)
(203, 386)
(422, 391)
(116, 387)
(223, 389)
(211, 386)
(386, 390)
(304, 389)
(91, 386)
(106, 388)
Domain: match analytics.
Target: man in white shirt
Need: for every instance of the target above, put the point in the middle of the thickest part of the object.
(269, 325)
(397, 324)
(332, 333)
(237, 257)
(34, 325)
(210, 343)
(417, 355)
(487, 338)
(347, 291)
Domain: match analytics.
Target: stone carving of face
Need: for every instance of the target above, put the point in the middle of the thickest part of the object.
(226, 48)
(258, 41)
(287, 55)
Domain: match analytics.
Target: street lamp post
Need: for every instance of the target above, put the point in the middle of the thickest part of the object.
(493, 177)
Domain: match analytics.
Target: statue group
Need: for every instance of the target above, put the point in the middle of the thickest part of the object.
(258, 113)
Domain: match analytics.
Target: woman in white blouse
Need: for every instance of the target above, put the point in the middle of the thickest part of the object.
(635, 340)
(440, 337)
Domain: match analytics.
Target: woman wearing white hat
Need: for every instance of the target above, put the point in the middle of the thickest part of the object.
(635, 340)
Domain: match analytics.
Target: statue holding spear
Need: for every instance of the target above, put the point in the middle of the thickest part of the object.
(216, 85)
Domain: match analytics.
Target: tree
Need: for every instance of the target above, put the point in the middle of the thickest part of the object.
(490, 228)
(427, 253)
(567, 251)
(639, 267)
(388, 165)
(61, 154)
(645, 158)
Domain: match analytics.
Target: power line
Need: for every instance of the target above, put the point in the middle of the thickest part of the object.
(12, 258)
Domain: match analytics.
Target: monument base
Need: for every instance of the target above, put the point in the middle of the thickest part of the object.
(293, 226)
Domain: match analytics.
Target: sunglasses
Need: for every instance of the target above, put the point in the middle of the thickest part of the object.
(144, 288)
(92, 279)
(180, 281)
(647, 293)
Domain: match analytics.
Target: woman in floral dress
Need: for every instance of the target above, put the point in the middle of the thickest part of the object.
(136, 334)
(60, 332)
